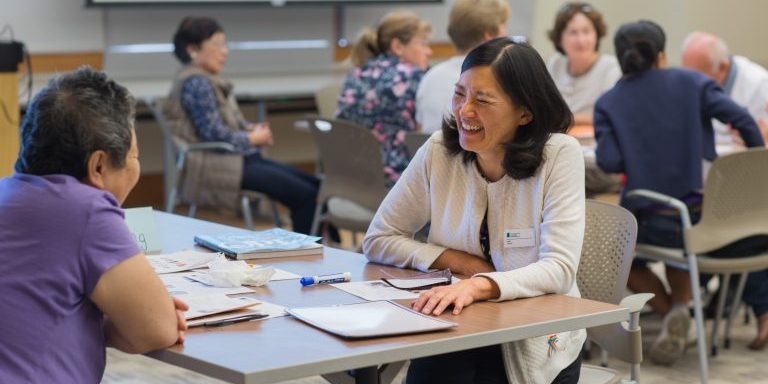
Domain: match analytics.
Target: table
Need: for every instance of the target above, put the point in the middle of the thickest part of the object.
(285, 348)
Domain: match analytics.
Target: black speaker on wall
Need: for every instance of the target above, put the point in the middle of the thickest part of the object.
(11, 54)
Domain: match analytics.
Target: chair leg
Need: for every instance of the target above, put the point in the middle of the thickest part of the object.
(170, 202)
(275, 214)
(316, 220)
(734, 308)
(693, 268)
(603, 358)
(192, 210)
(725, 283)
(245, 205)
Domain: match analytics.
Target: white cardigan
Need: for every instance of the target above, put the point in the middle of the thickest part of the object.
(546, 211)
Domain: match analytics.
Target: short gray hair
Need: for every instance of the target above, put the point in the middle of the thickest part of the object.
(75, 115)
(714, 47)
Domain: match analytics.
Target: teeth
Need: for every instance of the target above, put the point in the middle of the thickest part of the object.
(472, 127)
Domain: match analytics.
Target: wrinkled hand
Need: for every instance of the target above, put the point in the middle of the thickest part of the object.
(181, 307)
(260, 134)
(460, 295)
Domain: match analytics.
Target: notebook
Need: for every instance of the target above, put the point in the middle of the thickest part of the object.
(369, 319)
(274, 242)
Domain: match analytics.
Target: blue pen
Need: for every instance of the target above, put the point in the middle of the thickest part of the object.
(326, 279)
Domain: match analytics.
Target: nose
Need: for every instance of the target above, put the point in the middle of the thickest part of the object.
(467, 109)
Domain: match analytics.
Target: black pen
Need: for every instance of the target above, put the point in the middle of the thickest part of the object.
(219, 323)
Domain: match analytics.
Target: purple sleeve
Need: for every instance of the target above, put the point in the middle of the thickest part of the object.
(106, 241)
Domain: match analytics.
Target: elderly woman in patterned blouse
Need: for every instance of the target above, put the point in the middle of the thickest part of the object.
(380, 92)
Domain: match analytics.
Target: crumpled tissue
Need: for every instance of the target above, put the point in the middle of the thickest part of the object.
(225, 273)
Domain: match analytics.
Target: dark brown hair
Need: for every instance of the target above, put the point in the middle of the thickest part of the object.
(522, 74)
(564, 16)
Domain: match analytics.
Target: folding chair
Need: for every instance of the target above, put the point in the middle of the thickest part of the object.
(174, 158)
(353, 184)
(734, 207)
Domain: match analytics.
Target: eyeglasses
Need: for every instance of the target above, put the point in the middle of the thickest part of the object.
(581, 7)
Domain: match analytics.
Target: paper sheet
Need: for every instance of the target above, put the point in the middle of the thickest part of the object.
(180, 261)
(205, 305)
(273, 310)
(179, 285)
(375, 290)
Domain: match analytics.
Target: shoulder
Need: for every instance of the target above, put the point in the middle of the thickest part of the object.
(557, 62)
(561, 141)
(196, 83)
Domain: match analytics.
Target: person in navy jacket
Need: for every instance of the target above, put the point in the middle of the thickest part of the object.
(655, 126)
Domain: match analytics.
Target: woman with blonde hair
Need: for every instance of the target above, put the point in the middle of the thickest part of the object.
(380, 92)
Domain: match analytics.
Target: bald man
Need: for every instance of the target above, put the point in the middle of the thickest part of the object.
(745, 81)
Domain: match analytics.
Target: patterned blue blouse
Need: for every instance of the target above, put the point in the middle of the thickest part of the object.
(381, 95)
(199, 102)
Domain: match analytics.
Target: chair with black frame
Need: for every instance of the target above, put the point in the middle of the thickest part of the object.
(352, 184)
(174, 158)
(606, 258)
(734, 208)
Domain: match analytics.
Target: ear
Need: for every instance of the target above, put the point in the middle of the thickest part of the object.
(397, 47)
(192, 50)
(526, 117)
(95, 168)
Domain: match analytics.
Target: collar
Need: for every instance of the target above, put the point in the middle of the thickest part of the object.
(731, 79)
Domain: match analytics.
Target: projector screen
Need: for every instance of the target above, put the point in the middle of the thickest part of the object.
(240, 2)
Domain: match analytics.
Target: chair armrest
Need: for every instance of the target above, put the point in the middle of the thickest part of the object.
(664, 199)
(634, 303)
(209, 146)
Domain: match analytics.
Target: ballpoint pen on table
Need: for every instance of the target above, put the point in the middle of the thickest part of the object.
(219, 323)
(326, 279)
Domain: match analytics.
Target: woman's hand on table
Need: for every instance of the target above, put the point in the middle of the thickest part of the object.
(462, 294)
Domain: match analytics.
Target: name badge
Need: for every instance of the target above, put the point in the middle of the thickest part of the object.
(517, 238)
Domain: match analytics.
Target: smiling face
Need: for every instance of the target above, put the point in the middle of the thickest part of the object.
(212, 53)
(579, 39)
(485, 115)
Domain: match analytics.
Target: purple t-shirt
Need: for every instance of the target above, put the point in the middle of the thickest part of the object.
(57, 237)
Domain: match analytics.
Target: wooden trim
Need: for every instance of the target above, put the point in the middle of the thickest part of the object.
(9, 122)
(439, 51)
(63, 62)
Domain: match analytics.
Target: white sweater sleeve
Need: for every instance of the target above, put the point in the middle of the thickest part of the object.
(404, 211)
(561, 232)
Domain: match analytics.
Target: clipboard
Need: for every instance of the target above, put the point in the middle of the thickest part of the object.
(369, 319)
(421, 281)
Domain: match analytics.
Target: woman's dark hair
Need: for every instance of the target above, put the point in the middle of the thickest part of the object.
(523, 76)
(638, 46)
(193, 31)
(75, 115)
(564, 16)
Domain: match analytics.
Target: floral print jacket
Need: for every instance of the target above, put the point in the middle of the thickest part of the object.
(381, 95)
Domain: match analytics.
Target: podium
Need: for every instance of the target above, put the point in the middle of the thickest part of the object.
(9, 121)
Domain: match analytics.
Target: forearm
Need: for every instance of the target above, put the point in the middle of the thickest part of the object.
(461, 263)
(116, 340)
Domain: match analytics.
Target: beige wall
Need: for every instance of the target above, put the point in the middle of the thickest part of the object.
(741, 23)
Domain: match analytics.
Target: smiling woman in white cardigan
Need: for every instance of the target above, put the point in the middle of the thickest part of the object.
(503, 188)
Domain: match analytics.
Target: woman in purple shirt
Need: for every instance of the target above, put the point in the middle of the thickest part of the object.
(72, 277)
